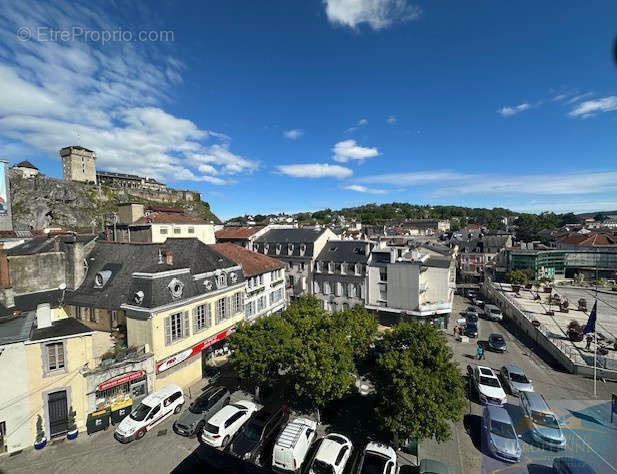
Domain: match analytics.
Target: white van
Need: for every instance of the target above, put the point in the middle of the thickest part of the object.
(292, 445)
(150, 412)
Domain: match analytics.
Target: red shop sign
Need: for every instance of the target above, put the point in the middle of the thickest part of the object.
(196, 349)
(126, 378)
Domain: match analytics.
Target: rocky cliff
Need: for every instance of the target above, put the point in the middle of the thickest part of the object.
(41, 202)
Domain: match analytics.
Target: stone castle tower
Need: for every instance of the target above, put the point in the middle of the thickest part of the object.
(78, 164)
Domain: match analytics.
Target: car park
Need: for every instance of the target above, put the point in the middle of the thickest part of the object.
(292, 445)
(488, 386)
(500, 435)
(497, 343)
(568, 465)
(515, 379)
(224, 424)
(432, 466)
(492, 313)
(259, 432)
(210, 401)
(377, 458)
(152, 410)
(471, 329)
(543, 425)
(332, 455)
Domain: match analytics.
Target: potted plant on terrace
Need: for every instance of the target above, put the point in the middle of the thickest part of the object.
(72, 426)
(575, 331)
(41, 441)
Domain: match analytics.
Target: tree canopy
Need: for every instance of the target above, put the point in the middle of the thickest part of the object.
(517, 277)
(420, 388)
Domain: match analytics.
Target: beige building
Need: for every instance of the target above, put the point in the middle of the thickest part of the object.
(25, 169)
(78, 164)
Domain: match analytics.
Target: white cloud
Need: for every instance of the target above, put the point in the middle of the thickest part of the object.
(348, 150)
(362, 122)
(564, 207)
(391, 120)
(509, 111)
(107, 97)
(419, 177)
(592, 107)
(315, 170)
(363, 189)
(378, 14)
(293, 134)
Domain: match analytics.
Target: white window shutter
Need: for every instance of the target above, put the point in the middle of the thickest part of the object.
(167, 325)
(227, 306)
(185, 325)
(195, 326)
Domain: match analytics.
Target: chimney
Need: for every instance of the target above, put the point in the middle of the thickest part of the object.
(43, 316)
(169, 257)
(5, 279)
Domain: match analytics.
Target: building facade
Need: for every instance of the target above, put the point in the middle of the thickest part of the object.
(78, 164)
(265, 280)
(340, 275)
(25, 169)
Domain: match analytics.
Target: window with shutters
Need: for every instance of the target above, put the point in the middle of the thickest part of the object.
(92, 315)
(176, 327)
(326, 288)
(316, 287)
(249, 309)
(237, 302)
(338, 289)
(202, 317)
(261, 303)
(54, 360)
(222, 310)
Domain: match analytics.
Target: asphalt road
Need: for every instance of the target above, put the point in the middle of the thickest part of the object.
(585, 420)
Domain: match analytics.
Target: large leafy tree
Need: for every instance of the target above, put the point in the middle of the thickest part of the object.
(517, 277)
(420, 388)
(360, 327)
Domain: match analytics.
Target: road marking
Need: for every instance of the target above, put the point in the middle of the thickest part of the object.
(596, 453)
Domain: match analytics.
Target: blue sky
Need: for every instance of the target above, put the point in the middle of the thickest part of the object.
(291, 105)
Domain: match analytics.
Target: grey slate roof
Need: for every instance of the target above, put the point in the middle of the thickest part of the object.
(295, 236)
(124, 259)
(16, 329)
(25, 164)
(439, 262)
(42, 244)
(350, 251)
(59, 328)
(30, 301)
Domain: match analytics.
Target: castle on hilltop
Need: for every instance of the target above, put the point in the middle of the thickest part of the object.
(79, 164)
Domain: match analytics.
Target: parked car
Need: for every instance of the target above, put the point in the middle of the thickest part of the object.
(500, 435)
(332, 455)
(431, 466)
(515, 379)
(258, 432)
(150, 412)
(471, 329)
(572, 466)
(292, 444)
(488, 387)
(544, 427)
(473, 317)
(224, 424)
(492, 313)
(471, 294)
(377, 458)
(497, 343)
(478, 301)
(192, 421)
(472, 310)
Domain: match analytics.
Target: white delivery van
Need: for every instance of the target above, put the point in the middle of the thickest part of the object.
(292, 445)
(150, 412)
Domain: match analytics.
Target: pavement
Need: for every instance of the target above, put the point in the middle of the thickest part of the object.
(585, 418)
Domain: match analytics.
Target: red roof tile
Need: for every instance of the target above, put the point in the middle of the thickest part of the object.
(252, 263)
(589, 240)
(238, 232)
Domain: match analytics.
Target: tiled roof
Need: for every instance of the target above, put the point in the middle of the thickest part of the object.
(252, 263)
(589, 240)
(240, 233)
(158, 217)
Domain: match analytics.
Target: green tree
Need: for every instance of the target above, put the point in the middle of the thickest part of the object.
(360, 327)
(420, 388)
(517, 277)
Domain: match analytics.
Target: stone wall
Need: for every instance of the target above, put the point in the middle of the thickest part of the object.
(38, 272)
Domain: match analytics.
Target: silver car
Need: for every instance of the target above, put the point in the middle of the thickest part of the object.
(500, 435)
(192, 421)
(515, 379)
(544, 427)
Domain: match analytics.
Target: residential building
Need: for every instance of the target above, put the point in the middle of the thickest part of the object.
(178, 300)
(242, 236)
(128, 181)
(478, 255)
(298, 248)
(414, 284)
(339, 277)
(78, 164)
(265, 280)
(42, 356)
(156, 224)
(590, 240)
(25, 169)
(424, 226)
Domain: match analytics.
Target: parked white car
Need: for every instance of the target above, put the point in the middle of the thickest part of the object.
(492, 313)
(292, 445)
(150, 412)
(377, 458)
(332, 455)
(225, 423)
(488, 386)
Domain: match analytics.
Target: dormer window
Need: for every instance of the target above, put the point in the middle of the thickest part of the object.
(221, 280)
(208, 284)
(278, 249)
(266, 248)
(138, 297)
(233, 277)
(343, 268)
(101, 278)
(290, 249)
(330, 267)
(358, 269)
(175, 288)
(302, 249)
